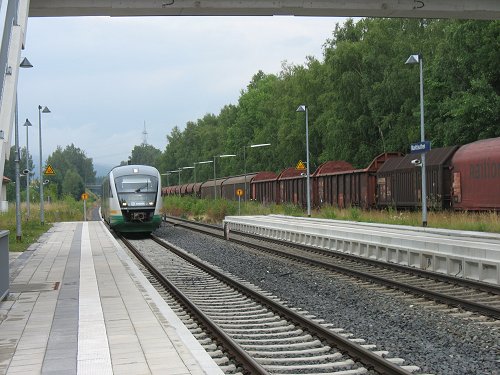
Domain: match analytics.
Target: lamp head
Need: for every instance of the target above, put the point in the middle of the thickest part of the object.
(301, 108)
(413, 59)
(45, 110)
(416, 162)
(27, 123)
(25, 63)
(260, 145)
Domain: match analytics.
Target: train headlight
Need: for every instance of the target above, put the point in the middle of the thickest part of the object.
(124, 204)
(151, 203)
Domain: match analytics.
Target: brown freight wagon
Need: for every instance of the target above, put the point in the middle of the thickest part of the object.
(189, 189)
(338, 184)
(183, 189)
(230, 185)
(197, 189)
(329, 183)
(292, 187)
(476, 176)
(399, 183)
(207, 188)
(263, 187)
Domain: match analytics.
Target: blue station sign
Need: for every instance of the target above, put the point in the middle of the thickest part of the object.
(420, 147)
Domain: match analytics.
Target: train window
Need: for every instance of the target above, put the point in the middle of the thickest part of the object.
(136, 190)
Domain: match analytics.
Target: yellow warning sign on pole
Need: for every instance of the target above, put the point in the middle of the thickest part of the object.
(300, 166)
(85, 196)
(49, 170)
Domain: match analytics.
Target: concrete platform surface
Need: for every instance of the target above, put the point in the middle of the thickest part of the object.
(79, 305)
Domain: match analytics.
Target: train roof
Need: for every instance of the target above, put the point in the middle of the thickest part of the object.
(435, 157)
(240, 179)
(210, 183)
(123, 170)
(479, 151)
(290, 173)
(381, 159)
(265, 176)
(332, 167)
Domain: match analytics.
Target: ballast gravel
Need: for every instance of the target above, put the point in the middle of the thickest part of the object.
(435, 341)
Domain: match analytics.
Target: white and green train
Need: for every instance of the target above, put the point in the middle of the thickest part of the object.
(131, 199)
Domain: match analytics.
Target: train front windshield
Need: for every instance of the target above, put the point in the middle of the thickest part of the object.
(136, 191)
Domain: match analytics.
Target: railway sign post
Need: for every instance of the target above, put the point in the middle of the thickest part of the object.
(420, 147)
(49, 171)
(84, 197)
(239, 193)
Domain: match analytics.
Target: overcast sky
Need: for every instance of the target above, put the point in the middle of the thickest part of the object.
(103, 77)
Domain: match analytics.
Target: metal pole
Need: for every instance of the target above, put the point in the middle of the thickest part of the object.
(245, 171)
(27, 174)
(27, 124)
(179, 173)
(307, 161)
(422, 138)
(18, 182)
(42, 218)
(84, 210)
(215, 186)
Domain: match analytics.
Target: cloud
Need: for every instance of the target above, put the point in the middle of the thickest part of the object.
(103, 77)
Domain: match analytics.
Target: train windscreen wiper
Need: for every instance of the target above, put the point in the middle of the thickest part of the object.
(142, 187)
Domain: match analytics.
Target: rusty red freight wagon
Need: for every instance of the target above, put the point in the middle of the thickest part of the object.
(232, 184)
(338, 184)
(263, 187)
(476, 176)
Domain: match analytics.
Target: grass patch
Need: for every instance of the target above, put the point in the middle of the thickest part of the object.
(31, 229)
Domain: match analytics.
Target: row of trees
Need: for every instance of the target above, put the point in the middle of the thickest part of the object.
(362, 99)
(73, 171)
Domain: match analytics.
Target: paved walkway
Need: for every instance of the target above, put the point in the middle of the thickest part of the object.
(78, 305)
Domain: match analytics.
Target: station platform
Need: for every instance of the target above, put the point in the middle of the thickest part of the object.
(79, 305)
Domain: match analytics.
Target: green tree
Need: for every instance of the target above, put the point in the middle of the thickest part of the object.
(71, 158)
(73, 184)
(362, 98)
(145, 155)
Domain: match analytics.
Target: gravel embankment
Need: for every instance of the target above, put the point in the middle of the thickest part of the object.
(437, 342)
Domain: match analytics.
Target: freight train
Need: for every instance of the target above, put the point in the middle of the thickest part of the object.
(458, 177)
(131, 199)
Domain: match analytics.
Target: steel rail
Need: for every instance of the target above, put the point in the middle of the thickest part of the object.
(365, 356)
(247, 362)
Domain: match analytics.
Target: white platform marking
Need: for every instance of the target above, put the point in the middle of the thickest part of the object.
(93, 348)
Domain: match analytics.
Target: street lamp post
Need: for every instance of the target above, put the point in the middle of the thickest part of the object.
(189, 167)
(24, 64)
(418, 59)
(166, 174)
(18, 181)
(40, 111)
(27, 124)
(179, 172)
(245, 162)
(200, 162)
(303, 108)
(215, 178)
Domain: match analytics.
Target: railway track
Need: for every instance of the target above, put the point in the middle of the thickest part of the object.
(466, 294)
(260, 334)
